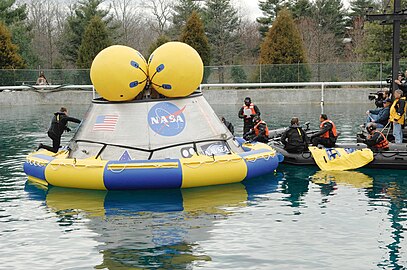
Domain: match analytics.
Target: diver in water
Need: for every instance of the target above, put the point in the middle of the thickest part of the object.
(58, 126)
(327, 133)
(375, 140)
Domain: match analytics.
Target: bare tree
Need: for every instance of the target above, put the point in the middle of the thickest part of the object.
(320, 47)
(357, 37)
(47, 18)
(318, 42)
(162, 12)
(249, 37)
(127, 15)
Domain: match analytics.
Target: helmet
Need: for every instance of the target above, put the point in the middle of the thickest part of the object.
(370, 127)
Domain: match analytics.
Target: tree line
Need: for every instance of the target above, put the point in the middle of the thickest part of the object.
(49, 34)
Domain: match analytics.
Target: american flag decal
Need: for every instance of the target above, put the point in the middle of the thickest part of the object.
(105, 122)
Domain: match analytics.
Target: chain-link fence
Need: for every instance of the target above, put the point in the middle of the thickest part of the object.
(10, 77)
(323, 72)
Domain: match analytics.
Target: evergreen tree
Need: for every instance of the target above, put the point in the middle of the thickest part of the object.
(358, 8)
(75, 26)
(377, 44)
(95, 39)
(15, 18)
(331, 17)
(10, 14)
(193, 34)
(301, 8)
(182, 11)
(221, 24)
(283, 45)
(160, 41)
(238, 75)
(270, 8)
(9, 57)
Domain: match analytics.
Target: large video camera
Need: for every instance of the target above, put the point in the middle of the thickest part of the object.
(378, 98)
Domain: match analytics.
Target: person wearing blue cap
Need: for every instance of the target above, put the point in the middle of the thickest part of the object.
(380, 116)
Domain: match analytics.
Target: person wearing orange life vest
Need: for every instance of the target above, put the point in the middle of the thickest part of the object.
(260, 131)
(247, 112)
(375, 140)
(397, 115)
(327, 133)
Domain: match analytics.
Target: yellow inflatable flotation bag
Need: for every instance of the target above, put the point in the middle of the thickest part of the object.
(340, 159)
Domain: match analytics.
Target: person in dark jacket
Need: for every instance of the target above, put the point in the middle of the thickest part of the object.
(380, 116)
(327, 133)
(376, 139)
(402, 82)
(58, 126)
(247, 112)
(228, 125)
(294, 138)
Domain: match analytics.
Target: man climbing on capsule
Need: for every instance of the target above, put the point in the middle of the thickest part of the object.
(58, 126)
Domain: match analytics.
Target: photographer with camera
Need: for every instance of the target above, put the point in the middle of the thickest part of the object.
(379, 97)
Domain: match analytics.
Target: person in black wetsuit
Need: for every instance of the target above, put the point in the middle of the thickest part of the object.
(228, 125)
(58, 126)
(294, 138)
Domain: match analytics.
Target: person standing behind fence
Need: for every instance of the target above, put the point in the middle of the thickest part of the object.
(41, 79)
(247, 112)
(397, 115)
(58, 126)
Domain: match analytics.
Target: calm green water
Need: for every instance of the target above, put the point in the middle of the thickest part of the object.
(298, 218)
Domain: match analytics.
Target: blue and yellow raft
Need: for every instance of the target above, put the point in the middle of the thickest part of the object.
(47, 168)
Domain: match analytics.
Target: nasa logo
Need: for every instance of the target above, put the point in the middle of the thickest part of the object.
(166, 119)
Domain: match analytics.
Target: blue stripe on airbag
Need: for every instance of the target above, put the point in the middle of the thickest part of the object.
(34, 170)
(143, 178)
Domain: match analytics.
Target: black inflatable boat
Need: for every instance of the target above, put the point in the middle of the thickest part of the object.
(394, 158)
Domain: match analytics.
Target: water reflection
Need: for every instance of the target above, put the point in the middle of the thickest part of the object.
(391, 187)
(158, 228)
(296, 184)
(382, 187)
(351, 178)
